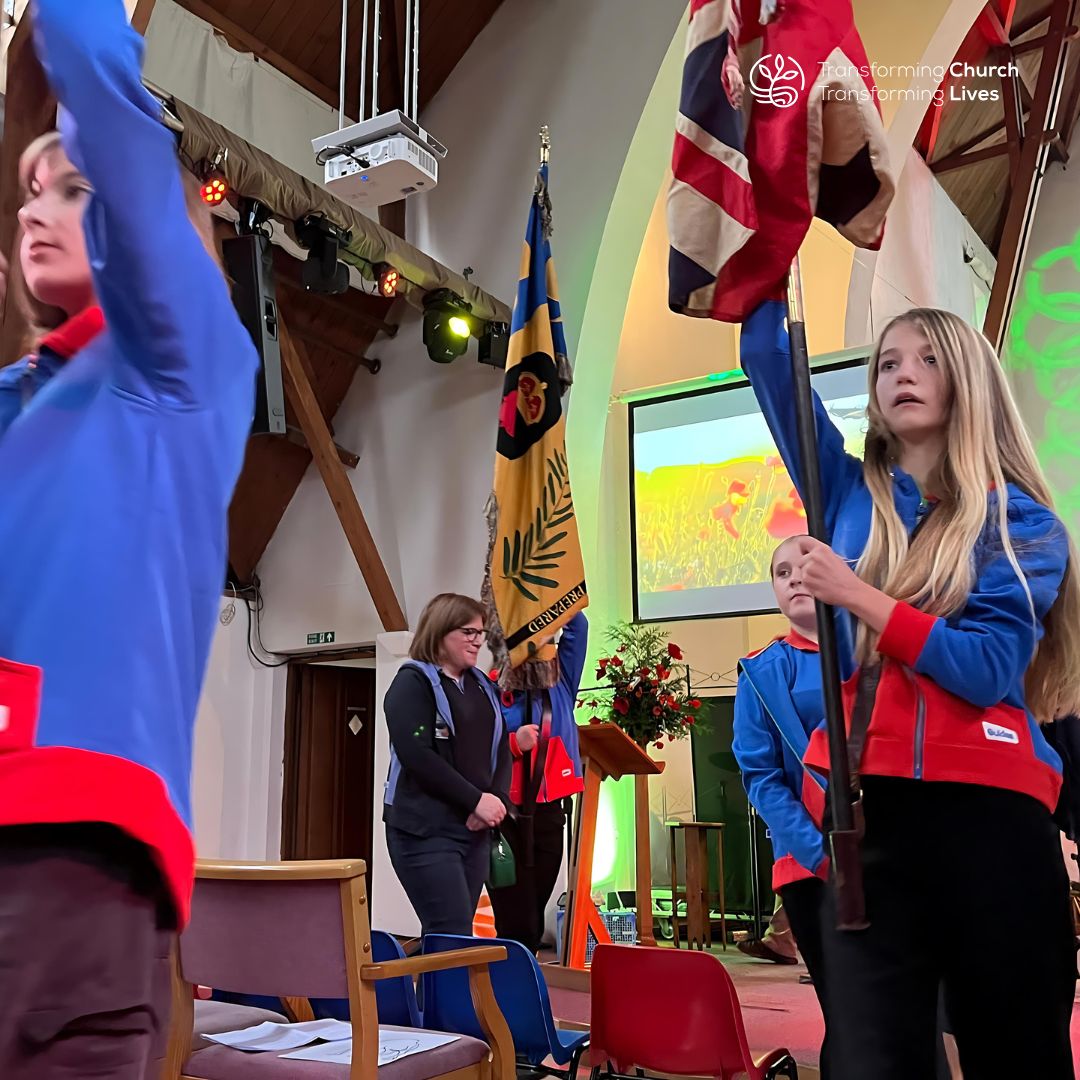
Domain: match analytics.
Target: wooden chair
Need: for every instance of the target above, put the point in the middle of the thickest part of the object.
(301, 930)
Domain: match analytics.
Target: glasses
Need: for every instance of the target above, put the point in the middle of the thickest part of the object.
(472, 633)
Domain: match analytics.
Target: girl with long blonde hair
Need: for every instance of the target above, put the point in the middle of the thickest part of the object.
(961, 585)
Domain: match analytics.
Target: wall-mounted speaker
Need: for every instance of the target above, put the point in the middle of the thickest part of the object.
(250, 265)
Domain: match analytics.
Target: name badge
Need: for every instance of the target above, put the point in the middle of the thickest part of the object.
(20, 701)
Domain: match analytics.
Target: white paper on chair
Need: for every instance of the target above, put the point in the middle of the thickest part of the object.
(269, 1036)
(393, 1046)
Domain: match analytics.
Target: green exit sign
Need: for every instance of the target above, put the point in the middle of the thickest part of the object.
(324, 638)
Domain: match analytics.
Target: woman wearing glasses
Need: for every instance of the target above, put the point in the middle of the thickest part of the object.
(449, 766)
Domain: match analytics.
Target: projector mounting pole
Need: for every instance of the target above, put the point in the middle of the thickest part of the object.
(344, 45)
(376, 46)
(844, 837)
(406, 59)
(416, 65)
(363, 65)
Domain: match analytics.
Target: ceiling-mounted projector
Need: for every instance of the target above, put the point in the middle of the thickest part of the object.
(379, 161)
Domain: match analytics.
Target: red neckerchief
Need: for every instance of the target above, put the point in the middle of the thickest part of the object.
(75, 334)
(799, 641)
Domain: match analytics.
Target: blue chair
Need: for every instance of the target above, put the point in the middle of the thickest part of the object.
(396, 997)
(522, 996)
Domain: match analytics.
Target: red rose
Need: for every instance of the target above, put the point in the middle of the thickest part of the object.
(674, 651)
(663, 673)
(695, 704)
(616, 661)
(645, 672)
(657, 710)
(621, 705)
(659, 745)
(691, 719)
(621, 648)
(603, 662)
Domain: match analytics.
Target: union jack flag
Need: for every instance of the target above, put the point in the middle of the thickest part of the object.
(739, 209)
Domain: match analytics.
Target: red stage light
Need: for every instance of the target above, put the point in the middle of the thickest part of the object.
(388, 281)
(214, 191)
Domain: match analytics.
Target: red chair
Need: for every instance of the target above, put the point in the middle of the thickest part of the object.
(671, 1012)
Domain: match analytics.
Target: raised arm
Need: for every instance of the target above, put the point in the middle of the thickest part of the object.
(766, 360)
(572, 648)
(166, 301)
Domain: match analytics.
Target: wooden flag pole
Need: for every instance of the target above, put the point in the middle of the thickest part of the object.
(844, 837)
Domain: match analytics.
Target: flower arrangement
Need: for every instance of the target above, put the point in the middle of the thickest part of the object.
(647, 691)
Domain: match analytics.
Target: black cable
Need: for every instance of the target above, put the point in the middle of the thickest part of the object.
(254, 655)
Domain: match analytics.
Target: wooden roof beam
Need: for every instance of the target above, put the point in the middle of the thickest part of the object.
(305, 407)
(960, 161)
(1024, 189)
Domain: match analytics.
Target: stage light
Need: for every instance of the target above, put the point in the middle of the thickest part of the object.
(388, 279)
(448, 324)
(322, 272)
(214, 191)
(215, 187)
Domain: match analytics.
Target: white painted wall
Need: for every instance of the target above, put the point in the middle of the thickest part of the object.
(239, 734)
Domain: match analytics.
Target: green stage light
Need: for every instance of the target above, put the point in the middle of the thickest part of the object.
(448, 324)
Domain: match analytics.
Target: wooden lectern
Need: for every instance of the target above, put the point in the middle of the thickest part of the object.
(606, 750)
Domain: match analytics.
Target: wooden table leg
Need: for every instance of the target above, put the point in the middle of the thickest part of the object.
(643, 885)
(723, 893)
(696, 917)
(674, 885)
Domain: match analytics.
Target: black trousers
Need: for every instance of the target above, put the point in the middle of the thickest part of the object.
(965, 887)
(519, 908)
(442, 877)
(85, 941)
(804, 902)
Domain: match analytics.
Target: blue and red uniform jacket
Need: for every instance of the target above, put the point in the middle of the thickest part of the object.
(778, 704)
(119, 451)
(562, 763)
(950, 704)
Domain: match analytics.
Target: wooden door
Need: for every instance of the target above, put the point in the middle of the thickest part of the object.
(329, 763)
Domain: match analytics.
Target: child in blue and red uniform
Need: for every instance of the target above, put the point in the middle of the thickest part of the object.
(120, 443)
(543, 735)
(967, 603)
(778, 704)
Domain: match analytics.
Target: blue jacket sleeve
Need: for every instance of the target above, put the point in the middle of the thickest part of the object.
(759, 751)
(573, 645)
(983, 653)
(765, 358)
(165, 299)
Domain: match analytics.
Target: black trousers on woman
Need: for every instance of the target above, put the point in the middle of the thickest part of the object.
(804, 902)
(442, 877)
(965, 887)
(519, 908)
